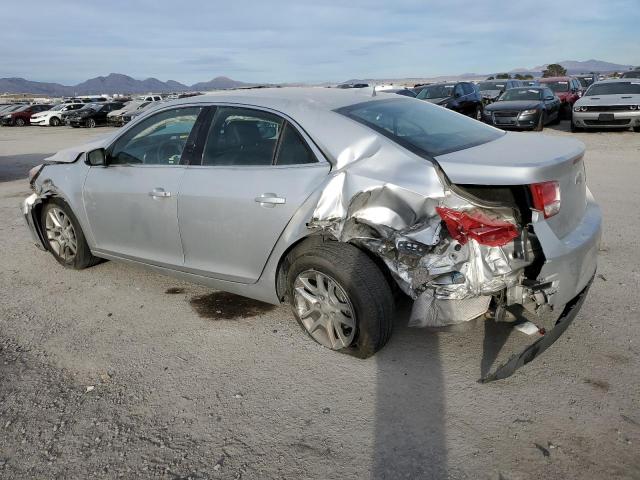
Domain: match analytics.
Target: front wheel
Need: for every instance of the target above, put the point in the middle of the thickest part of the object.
(20, 122)
(540, 125)
(341, 298)
(574, 128)
(91, 123)
(54, 122)
(64, 237)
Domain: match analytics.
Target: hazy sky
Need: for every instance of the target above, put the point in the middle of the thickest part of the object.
(69, 41)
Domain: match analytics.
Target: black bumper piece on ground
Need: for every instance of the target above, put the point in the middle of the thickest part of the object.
(570, 311)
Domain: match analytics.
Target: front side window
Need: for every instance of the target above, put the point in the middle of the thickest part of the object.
(157, 140)
(242, 136)
(420, 126)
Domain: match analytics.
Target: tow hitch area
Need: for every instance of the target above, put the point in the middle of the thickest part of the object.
(545, 341)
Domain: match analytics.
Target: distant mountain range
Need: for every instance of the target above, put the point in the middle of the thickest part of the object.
(119, 83)
(113, 83)
(574, 67)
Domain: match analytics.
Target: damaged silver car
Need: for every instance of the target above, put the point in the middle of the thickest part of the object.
(332, 200)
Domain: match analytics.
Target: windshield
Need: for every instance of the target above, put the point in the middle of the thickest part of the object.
(420, 126)
(491, 86)
(435, 91)
(558, 86)
(614, 88)
(521, 94)
(57, 107)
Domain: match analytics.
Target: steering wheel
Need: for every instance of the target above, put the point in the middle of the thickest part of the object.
(165, 153)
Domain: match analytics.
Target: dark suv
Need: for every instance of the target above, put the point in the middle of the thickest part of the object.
(22, 116)
(462, 97)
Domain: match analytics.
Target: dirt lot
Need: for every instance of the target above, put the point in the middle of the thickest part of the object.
(114, 372)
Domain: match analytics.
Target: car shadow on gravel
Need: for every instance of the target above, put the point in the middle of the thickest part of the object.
(410, 440)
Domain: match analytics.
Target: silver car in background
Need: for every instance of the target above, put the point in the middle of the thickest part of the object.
(332, 200)
(609, 104)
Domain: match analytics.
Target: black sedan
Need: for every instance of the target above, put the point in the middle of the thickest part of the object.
(528, 108)
(92, 115)
(461, 97)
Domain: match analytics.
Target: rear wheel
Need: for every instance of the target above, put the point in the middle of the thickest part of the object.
(91, 123)
(20, 122)
(64, 237)
(54, 122)
(341, 298)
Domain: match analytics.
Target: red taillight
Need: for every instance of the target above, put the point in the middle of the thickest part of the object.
(546, 198)
(478, 226)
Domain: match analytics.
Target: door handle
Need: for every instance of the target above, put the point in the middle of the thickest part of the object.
(270, 200)
(159, 193)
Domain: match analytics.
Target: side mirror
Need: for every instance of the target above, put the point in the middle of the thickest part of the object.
(549, 97)
(97, 158)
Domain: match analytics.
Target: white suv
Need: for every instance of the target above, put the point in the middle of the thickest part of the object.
(53, 116)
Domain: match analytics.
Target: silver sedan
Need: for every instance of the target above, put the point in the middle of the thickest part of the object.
(332, 200)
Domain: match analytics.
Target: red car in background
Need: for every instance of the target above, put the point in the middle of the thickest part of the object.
(22, 116)
(567, 89)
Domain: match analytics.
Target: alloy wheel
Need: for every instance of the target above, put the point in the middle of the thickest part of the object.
(61, 234)
(324, 309)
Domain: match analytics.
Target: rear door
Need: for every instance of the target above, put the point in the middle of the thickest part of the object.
(256, 169)
(132, 204)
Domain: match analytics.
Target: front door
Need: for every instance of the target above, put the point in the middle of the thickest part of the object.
(256, 171)
(132, 203)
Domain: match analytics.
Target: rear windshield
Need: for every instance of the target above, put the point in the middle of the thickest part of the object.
(436, 91)
(484, 86)
(521, 94)
(420, 126)
(614, 88)
(561, 86)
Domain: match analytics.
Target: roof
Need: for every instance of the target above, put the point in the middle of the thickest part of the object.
(618, 80)
(555, 79)
(288, 98)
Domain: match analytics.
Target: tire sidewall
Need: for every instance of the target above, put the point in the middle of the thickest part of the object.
(362, 340)
(54, 122)
(20, 122)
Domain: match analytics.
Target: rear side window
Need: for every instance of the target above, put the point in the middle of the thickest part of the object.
(293, 150)
(420, 126)
(242, 137)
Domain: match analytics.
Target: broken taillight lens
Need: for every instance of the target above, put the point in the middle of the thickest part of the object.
(476, 225)
(546, 198)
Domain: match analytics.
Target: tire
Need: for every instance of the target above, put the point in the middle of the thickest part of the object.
(20, 122)
(636, 129)
(574, 129)
(540, 125)
(82, 258)
(364, 289)
(54, 122)
(478, 113)
(91, 123)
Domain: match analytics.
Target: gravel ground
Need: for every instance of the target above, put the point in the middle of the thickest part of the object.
(115, 372)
